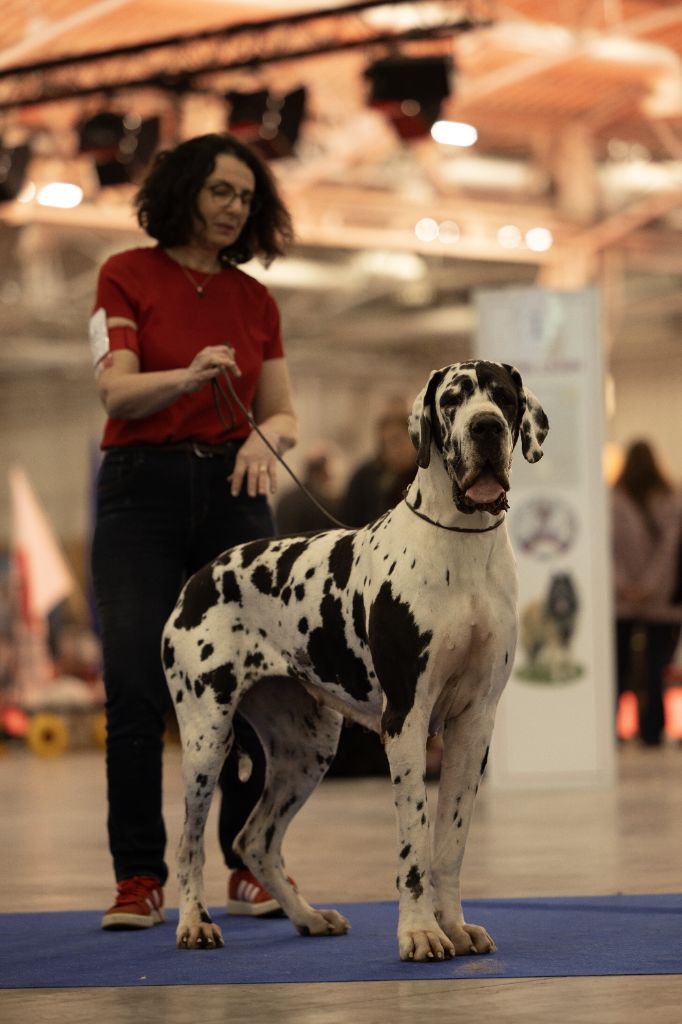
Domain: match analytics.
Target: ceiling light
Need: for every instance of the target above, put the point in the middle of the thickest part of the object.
(454, 133)
(60, 194)
(509, 237)
(409, 91)
(426, 229)
(121, 144)
(539, 239)
(269, 123)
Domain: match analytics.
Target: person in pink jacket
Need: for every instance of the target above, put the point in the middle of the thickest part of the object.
(646, 534)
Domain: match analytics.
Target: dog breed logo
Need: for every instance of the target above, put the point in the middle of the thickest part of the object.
(407, 626)
(547, 629)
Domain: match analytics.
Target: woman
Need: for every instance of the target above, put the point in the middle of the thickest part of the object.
(180, 483)
(646, 527)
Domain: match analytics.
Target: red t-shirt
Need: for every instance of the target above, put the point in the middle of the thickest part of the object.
(173, 324)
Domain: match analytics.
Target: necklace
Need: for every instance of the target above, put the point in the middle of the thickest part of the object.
(200, 287)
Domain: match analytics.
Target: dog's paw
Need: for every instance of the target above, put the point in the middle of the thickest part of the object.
(432, 944)
(324, 922)
(200, 936)
(471, 939)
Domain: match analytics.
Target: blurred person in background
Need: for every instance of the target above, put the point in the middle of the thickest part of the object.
(379, 483)
(646, 534)
(295, 512)
(179, 482)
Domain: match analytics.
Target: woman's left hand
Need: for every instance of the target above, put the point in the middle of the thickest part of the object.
(256, 464)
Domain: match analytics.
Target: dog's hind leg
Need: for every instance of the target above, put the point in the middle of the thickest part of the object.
(299, 738)
(203, 755)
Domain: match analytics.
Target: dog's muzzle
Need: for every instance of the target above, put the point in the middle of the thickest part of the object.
(482, 484)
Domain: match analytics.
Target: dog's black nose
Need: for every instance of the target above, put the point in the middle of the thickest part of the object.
(485, 427)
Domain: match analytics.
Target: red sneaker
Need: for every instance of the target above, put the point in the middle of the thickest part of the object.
(246, 896)
(139, 904)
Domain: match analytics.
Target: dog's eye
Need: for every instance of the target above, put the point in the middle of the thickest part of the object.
(503, 398)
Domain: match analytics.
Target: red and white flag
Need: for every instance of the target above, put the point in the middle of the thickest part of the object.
(43, 573)
(41, 580)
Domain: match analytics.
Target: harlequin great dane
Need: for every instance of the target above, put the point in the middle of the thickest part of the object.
(407, 626)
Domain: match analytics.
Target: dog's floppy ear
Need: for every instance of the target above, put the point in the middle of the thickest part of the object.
(532, 422)
(423, 421)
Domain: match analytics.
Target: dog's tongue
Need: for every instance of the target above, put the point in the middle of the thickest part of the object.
(484, 489)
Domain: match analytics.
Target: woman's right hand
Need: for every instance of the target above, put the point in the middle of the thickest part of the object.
(208, 363)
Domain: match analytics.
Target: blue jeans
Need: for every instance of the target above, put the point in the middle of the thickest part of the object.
(161, 515)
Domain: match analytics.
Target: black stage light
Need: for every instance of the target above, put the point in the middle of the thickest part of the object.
(409, 91)
(121, 145)
(269, 124)
(13, 167)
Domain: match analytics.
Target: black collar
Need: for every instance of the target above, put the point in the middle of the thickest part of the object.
(456, 529)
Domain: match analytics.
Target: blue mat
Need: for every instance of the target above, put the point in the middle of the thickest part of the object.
(536, 938)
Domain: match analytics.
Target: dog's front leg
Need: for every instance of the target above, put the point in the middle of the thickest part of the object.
(465, 749)
(419, 935)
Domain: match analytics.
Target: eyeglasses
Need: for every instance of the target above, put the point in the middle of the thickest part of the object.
(225, 194)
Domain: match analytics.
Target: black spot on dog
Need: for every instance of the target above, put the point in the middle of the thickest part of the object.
(168, 653)
(288, 559)
(310, 572)
(202, 780)
(303, 625)
(178, 697)
(506, 657)
(286, 595)
(299, 591)
(199, 687)
(413, 882)
(418, 500)
(400, 654)
(231, 589)
(207, 651)
(199, 595)
(405, 852)
(254, 658)
(252, 550)
(341, 560)
(221, 680)
(359, 624)
(269, 836)
(261, 577)
(332, 659)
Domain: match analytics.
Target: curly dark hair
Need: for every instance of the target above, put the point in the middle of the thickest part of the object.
(167, 200)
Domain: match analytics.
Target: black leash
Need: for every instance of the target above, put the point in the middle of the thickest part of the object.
(220, 395)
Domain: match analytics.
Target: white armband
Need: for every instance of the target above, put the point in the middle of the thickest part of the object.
(98, 334)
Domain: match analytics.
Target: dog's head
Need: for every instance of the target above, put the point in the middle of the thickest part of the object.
(473, 414)
(562, 600)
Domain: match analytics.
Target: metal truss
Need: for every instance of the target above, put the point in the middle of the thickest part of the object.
(185, 63)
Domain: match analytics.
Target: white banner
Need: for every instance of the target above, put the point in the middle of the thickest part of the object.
(555, 724)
